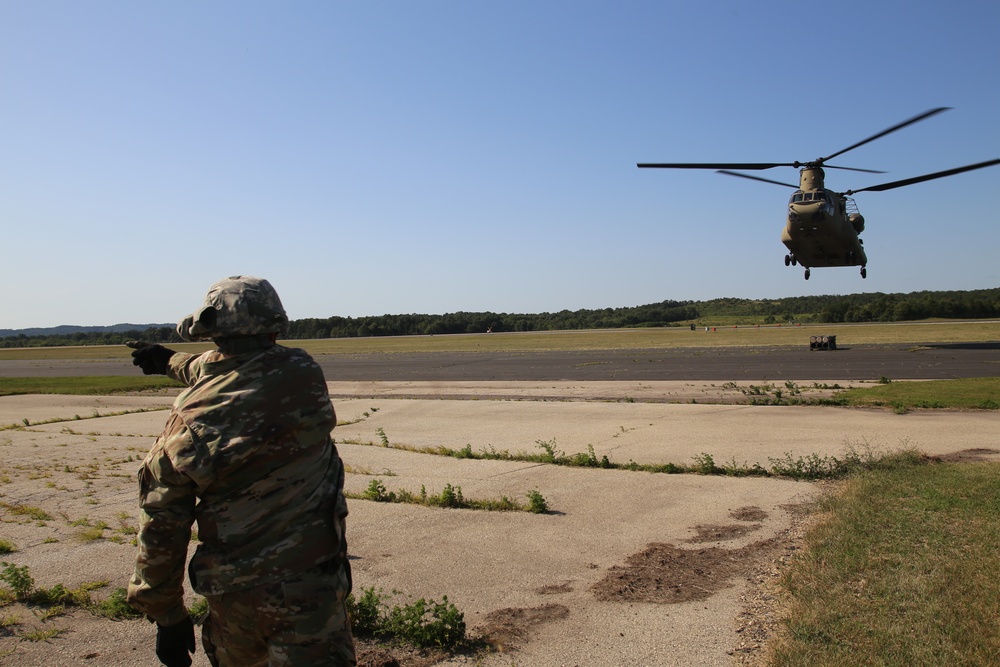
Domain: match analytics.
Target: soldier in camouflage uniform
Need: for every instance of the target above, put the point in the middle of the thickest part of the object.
(246, 453)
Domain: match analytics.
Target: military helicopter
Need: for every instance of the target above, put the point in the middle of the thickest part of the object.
(823, 227)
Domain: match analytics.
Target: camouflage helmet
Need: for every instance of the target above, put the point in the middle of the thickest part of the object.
(236, 306)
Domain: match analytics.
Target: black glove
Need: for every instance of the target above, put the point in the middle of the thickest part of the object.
(175, 644)
(152, 359)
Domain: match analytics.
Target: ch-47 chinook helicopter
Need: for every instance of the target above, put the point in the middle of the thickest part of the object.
(823, 226)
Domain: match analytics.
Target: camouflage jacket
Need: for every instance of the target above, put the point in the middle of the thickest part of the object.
(246, 453)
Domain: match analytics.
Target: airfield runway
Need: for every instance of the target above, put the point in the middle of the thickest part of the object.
(749, 364)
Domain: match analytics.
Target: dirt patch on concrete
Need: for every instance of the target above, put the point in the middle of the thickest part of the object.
(507, 628)
(713, 533)
(750, 513)
(970, 455)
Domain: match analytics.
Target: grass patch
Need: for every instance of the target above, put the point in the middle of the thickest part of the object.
(115, 607)
(41, 635)
(20, 586)
(964, 394)
(900, 570)
(450, 497)
(28, 511)
(85, 385)
(855, 458)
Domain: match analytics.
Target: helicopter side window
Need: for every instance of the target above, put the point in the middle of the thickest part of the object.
(797, 196)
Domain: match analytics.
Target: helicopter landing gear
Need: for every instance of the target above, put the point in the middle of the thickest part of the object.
(864, 273)
(790, 260)
(807, 274)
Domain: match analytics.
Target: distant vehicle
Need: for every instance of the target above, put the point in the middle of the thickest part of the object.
(823, 226)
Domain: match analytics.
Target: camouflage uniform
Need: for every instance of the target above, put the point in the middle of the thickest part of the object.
(247, 453)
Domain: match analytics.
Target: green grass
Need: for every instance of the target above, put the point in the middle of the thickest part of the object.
(901, 570)
(88, 385)
(964, 394)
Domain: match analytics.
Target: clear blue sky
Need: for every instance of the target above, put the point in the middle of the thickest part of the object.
(430, 157)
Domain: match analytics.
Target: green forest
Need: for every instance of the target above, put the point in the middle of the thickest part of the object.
(873, 307)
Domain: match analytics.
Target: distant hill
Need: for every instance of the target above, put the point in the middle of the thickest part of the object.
(70, 329)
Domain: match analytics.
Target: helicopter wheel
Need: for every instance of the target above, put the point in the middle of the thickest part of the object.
(864, 273)
(788, 260)
(794, 260)
(807, 274)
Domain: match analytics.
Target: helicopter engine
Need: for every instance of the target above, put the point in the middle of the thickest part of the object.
(857, 221)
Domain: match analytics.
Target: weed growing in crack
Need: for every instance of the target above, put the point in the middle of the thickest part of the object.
(19, 579)
(536, 502)
(450, 497)
(54, 601)
(423, 623)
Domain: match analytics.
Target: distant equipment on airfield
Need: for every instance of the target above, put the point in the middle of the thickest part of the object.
(823, 226)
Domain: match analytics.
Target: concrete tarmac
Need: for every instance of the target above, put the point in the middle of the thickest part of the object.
(623, 405)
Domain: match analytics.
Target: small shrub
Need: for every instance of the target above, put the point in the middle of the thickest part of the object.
(451, 496)
(199, 610)
(376, 491)
(705, 465)
(536, 502)
(365, 612)
(7, 547)
(422, 623)
(115, 607)
(19, 579)
(427, 623)
(549, 447)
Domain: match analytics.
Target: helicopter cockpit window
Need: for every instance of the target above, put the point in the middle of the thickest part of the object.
(798, 196)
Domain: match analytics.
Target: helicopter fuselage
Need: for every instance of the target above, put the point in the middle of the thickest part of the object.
(819, 231)
(822, 226)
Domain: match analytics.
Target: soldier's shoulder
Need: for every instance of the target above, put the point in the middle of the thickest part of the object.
(292, 353)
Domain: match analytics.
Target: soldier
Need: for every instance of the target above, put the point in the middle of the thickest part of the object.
(247, 454)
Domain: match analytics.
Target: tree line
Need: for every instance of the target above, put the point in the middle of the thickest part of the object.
(873, 307)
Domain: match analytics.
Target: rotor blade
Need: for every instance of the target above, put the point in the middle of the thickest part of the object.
(926, 114)
(867, 171)
(756, 178)
(713, 165)
(921, 179)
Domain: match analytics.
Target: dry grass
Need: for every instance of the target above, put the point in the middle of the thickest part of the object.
(900, 571)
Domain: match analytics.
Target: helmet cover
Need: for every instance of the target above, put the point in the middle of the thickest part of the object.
(236, 306)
